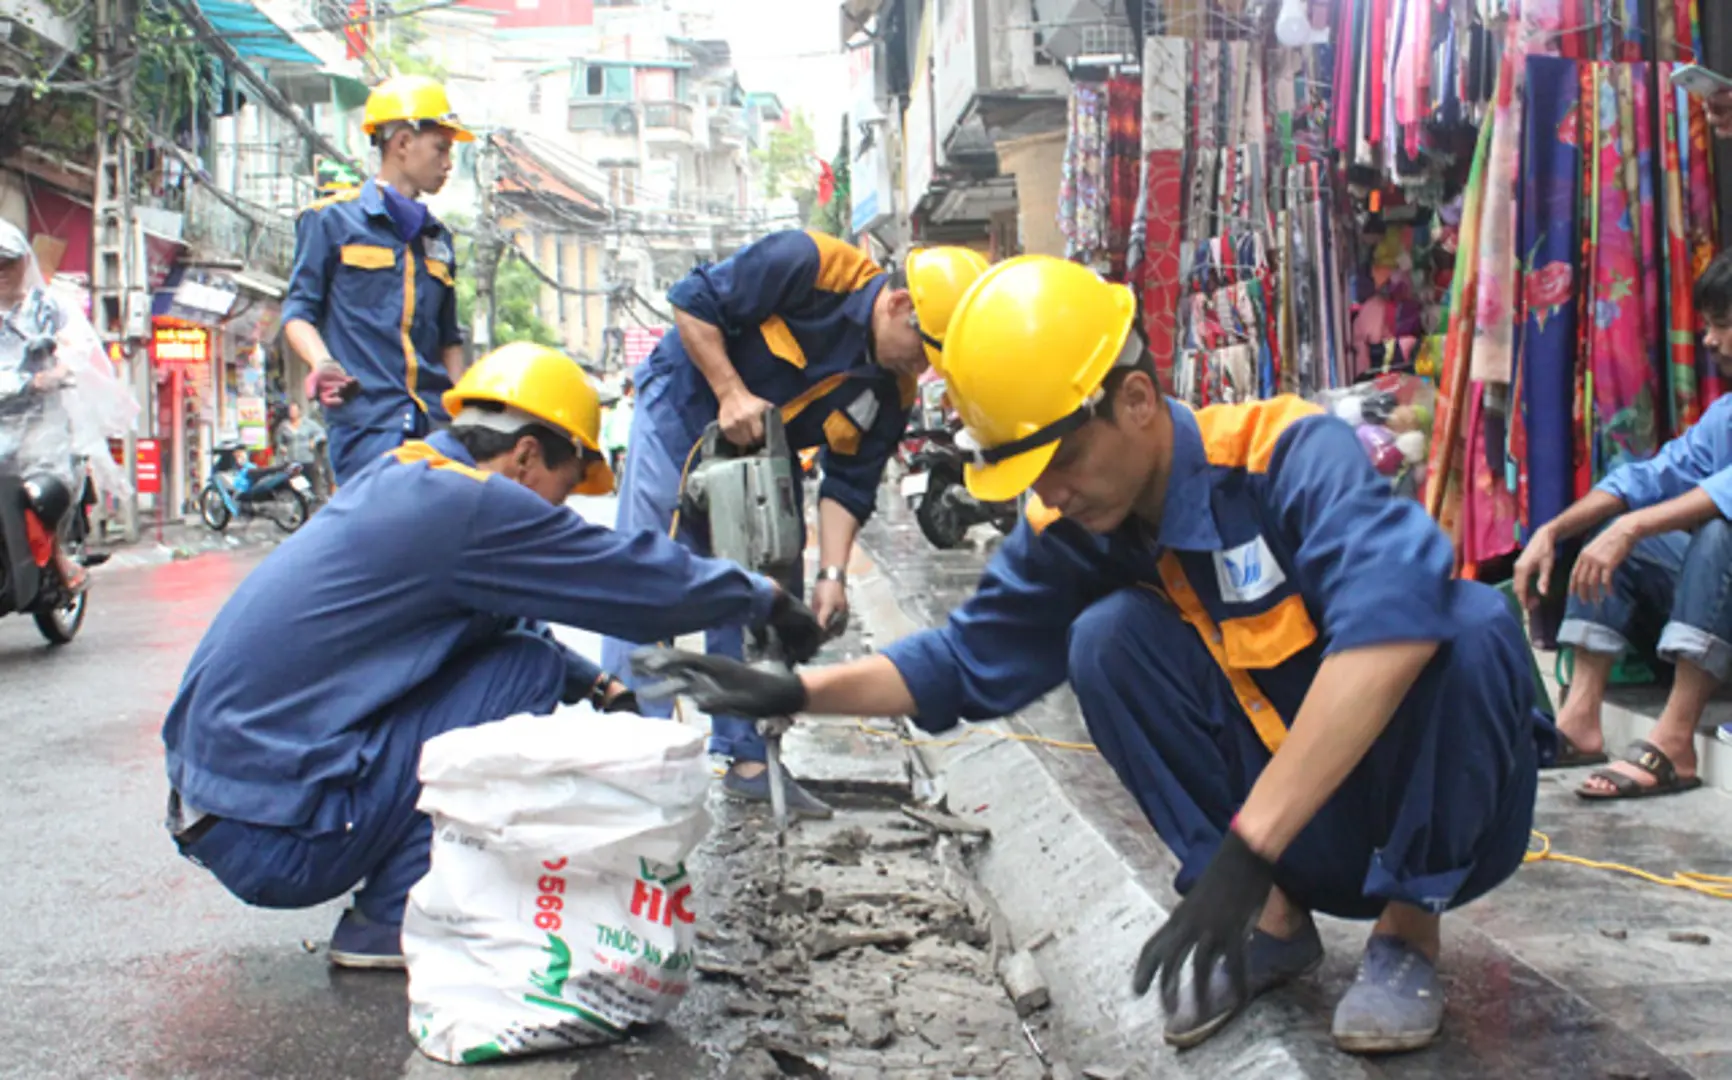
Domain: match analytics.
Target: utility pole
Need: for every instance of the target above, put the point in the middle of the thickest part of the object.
(116, 265)
(488, 249)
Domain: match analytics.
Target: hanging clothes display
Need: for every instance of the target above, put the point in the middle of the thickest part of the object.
(1506, 196)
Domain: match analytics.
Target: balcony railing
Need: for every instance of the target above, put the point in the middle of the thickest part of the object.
(667, 116)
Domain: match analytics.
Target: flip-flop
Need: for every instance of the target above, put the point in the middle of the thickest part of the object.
(1651, 760)
(1571, 756)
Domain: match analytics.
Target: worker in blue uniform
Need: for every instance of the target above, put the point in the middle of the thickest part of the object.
(809, 325)
(372, 303)
(1266, 642)
(408, 607)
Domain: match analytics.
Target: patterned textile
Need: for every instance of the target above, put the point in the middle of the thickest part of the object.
(1084, 189)
(1124, 155)
(1543, 436)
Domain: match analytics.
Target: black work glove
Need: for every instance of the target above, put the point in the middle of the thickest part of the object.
(717, 684)
(796, 627)
(1213, 922)
(624, 701)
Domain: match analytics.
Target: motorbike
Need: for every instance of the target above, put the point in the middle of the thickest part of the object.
(29, 582)
(237, 490)
(934, 487)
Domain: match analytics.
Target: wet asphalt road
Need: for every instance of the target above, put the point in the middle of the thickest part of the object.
(119, 958)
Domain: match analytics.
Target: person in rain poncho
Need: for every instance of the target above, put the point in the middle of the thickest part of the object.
(59, 398)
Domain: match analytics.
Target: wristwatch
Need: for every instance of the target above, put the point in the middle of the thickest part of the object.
(834, 573)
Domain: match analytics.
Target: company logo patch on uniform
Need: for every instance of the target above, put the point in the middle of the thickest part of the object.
(439, 250)
(864, 409)
(1248, 572)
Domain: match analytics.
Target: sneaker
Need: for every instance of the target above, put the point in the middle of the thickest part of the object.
(1271, 962)
(359, 942)
(801, 803)
(1395, 1004)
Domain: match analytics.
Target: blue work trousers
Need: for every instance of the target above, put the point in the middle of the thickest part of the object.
(354, 448)
(385, 840)
(1436, 814)
(1672, 596)
(649, 493)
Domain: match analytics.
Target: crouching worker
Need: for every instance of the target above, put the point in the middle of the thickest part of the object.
(1654, 580)
(1266, 642)
(408, 608)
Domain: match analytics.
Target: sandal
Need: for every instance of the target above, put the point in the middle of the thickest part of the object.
(1571, 756)
(1648, 758)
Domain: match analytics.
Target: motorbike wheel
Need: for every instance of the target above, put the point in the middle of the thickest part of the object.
(60, 625)
(940, 525)
(289, 510)
(214, 511)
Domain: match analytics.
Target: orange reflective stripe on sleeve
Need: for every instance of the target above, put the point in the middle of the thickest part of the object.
(813, 393)
(1257, 706)
(1244, 436)
(842, 267)
(420, 453)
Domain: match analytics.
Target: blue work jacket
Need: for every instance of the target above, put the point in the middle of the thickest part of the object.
(1699, 458)
(795, 309)
(387, 310)
(419, 559)
(1279, 544)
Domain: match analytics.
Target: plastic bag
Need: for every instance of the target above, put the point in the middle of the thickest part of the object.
(1392, 415)
(557, 911)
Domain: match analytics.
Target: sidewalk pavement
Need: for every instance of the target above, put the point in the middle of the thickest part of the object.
(1564, 971)
(160, 542)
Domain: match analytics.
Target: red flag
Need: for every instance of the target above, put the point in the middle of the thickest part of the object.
(358, 33)
(826, 183)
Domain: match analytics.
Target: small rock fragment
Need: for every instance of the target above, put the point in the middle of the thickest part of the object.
(754, 1064)
(1105, 1072)
(1689, 937)
(827, 942)
(872, 1027)
(1615, 935)
(946, 823)
(1023, 982)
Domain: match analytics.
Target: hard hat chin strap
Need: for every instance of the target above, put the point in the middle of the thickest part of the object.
(1092, 406)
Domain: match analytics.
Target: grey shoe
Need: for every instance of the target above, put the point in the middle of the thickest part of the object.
(1271, 961)
(1395, 1004)
(801, 803)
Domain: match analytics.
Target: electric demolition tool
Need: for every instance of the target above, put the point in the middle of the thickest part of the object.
(745, 500)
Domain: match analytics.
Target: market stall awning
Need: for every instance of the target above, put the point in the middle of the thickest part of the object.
(253, 35)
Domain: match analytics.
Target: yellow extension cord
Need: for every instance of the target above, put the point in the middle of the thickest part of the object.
(1715, 886)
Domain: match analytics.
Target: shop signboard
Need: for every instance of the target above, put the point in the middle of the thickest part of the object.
(250, 418)
(917, 148)
(147, 479)
(958, 59)
(180, 346)
(869, 172)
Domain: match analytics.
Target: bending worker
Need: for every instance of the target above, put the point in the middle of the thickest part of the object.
(1267, 645)
(807, 324)
(401, 611)
(372, 304)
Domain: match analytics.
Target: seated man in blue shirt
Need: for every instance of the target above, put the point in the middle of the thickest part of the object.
(807, 324)
(409, 606)
(1654, 578)
(1266, 642)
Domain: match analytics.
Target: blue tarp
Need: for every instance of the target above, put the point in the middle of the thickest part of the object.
(254, 35)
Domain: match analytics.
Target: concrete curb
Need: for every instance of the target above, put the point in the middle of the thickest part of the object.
(1076, 871)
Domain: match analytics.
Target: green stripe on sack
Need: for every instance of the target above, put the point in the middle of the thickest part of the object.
(475, 1055)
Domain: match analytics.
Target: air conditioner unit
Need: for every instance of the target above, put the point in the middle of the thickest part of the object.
(622, 121)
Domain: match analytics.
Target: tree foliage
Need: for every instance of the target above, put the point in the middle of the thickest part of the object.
(787, 160)
(516, 290)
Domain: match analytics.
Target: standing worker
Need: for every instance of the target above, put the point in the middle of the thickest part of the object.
(372, 304)
(807, 324)
(1266, 643)
(616, 429)
(402, 611)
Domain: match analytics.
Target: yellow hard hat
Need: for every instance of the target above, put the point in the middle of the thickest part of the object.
(547, 385)
(415, 98)
(937, 278)
(1026, 352)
